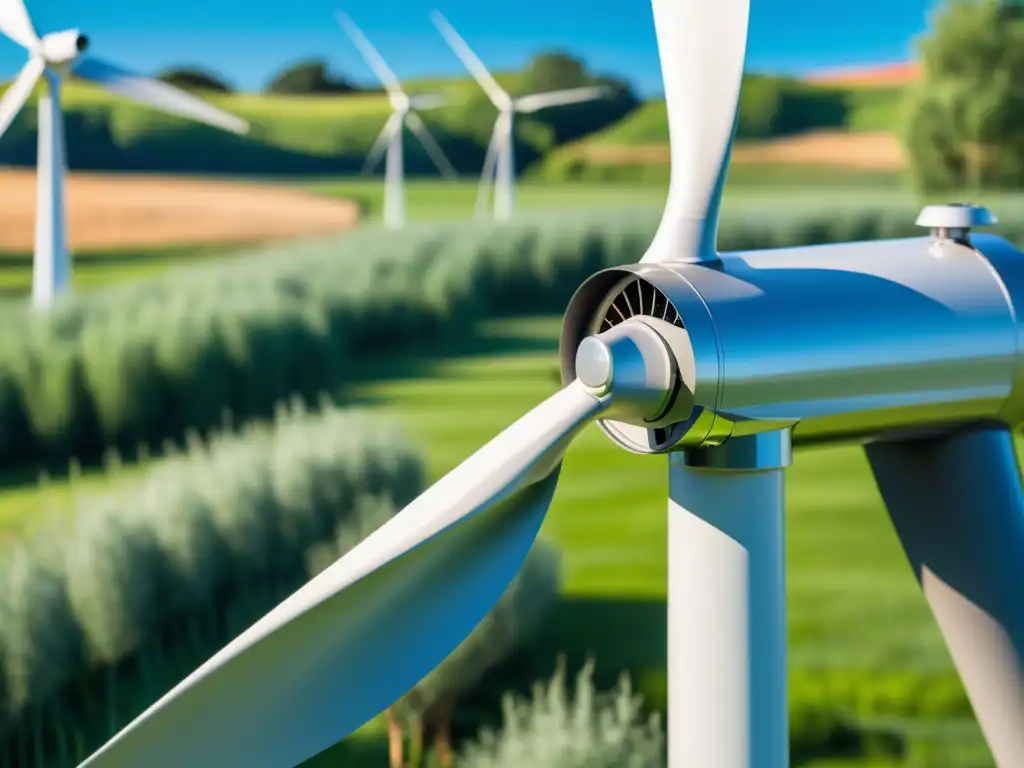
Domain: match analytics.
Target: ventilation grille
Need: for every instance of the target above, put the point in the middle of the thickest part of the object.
(640, 297)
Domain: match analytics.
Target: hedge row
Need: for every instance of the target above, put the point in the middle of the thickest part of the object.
(141, 362)
(97, 621)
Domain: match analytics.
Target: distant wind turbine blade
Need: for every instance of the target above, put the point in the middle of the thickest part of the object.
(154, 93)
(424, 101)
(381, 142)
(537, 101)
(419, 129)
(490, 167)
(469, 59)
(370, 54)
(17, 24)
(20, 90)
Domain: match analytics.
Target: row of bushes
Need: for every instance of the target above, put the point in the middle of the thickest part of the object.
(97, 621)
(137, 363)
(101, 617)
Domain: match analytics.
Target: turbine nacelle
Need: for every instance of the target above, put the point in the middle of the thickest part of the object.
(62, 48)
(895, 336)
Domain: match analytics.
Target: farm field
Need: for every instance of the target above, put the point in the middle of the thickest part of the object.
(120, 211)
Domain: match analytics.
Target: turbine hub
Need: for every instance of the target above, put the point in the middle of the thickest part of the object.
(638, 363)
(63, 47)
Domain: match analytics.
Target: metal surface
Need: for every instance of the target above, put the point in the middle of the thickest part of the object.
(958, 506)
(840, 342)
(727, 700)
(955, 216)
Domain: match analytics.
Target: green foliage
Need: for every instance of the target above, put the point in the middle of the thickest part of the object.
(308, 77)
(964, 120)
(193, 79)
(97, 621)
(555, 70)
(779, 106)
(589, 730)
(515, 620)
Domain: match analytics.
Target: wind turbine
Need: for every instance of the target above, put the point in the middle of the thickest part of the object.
(402, 115)
(718, 361)
(53, 57)
(499, 162)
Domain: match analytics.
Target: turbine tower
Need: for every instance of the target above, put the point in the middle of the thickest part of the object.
(717, 363)
(499, 162)
(403, 115)
(53, 57)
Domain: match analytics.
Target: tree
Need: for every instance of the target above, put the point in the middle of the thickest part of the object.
(964, 126)
(308, 77)
(558, 70)
(193, 79)
(555, 70)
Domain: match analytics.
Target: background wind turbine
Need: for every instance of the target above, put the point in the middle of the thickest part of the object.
(403, 114)
(499, 162)
(715, 361)
(53, 57)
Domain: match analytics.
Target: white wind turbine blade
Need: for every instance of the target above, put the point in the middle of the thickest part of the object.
(380, 144)
(425, 101)
(355, 638)
(370, 54)
(702, 47)
(17, 24)
(19, 91)
(154, 93)
(419, 129)
(538, 101)
(490, 167)
(476, 68)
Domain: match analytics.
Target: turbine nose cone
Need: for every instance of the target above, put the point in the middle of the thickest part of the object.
(594, 363)
(81, 43)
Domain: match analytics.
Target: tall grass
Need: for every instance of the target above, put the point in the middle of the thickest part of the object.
(554, 729)
(141, 362)
(98, 620)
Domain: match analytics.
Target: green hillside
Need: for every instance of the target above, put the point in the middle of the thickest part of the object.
(331, 134)
(861, 110)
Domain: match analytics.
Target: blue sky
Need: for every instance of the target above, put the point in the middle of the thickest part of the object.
(247, 41)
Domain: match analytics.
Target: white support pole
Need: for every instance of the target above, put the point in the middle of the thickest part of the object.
(727, 692)
(394, 185)
(51, 264)
(504, 187)
(957, 504)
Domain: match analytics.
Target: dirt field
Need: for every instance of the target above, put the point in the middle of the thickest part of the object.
(109, 211)
(867, 151)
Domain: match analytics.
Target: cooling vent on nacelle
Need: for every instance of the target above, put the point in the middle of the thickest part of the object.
(640, 297)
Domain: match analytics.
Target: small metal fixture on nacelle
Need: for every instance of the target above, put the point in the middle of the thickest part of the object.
(838, 342)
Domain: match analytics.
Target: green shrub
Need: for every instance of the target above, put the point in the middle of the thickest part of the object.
(99, 619)
(591, 730)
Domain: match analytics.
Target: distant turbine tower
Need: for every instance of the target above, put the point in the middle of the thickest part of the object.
(499, 163)
(53, 57)
(402, 114)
